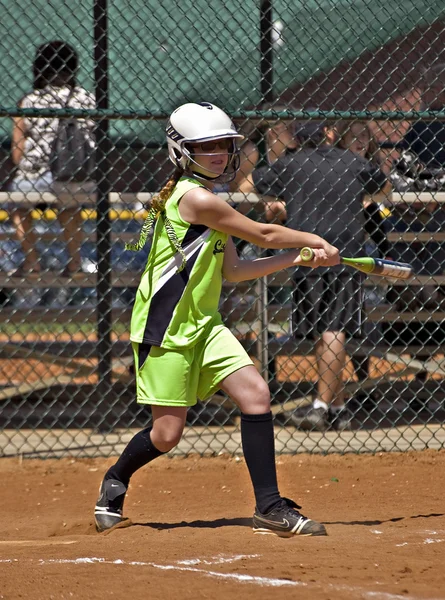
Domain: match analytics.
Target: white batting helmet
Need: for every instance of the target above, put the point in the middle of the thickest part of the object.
(203, 122)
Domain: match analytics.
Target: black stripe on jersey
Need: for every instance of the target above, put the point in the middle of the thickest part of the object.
(164, 303)
(165, 300)
(193, 232)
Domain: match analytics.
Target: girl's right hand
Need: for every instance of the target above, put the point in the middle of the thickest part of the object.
(331, 255)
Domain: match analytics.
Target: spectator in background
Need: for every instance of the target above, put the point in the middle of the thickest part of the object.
(54, 71)
(322, 187)
(425, 140)
(423, 164)
(249, 156)
(278, 139)
(356, 136)
(263, 145)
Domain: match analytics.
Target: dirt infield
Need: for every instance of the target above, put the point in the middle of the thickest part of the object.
(190, 535)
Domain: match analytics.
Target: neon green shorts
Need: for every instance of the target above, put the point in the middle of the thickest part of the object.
(178, 377)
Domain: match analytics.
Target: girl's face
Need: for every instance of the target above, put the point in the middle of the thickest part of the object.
(211, 158)
(357, 141)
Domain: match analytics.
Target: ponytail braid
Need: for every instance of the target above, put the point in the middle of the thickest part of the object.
(158, 210)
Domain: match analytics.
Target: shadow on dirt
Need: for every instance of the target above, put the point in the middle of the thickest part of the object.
(216, 523)
(380, 522)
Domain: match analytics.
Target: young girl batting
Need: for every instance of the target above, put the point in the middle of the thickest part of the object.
(182, 350)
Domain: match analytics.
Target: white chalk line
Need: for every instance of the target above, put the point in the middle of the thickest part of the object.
(217, 560)
(185, 566)
(426, 541)
(36, 542)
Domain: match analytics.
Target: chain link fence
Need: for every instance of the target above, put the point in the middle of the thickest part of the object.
(308, 84)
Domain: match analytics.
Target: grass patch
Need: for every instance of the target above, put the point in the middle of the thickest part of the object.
(56, 329)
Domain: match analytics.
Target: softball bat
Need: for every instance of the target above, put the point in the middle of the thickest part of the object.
(370, 266)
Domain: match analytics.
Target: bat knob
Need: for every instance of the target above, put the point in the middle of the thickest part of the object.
(306, 254)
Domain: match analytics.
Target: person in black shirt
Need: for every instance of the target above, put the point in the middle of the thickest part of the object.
(425, 140)
(322, 189)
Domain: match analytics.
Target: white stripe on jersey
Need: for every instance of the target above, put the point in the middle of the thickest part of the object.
(176, 261)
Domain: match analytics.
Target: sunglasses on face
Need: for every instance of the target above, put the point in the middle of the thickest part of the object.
(222, 144)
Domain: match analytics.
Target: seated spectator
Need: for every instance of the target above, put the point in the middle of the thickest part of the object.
(426, 139)
(356, 136)
(278, 139)
(263, 145)
(423, 167)
(54, 69)
(421, 162)
(249, 156)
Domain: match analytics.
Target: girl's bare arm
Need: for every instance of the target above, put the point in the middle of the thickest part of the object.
(199, 206)
(236, 269)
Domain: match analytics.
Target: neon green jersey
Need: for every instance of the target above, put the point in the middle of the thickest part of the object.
(174, 310)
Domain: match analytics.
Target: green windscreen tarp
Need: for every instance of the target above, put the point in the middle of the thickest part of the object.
(164, 53)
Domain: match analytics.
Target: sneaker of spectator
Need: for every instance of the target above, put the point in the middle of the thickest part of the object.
(317, 416)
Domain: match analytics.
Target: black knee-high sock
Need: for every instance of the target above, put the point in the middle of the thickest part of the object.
(257, 437)
(139, 451)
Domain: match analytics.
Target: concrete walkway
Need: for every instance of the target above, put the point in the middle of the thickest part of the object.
(57, 443)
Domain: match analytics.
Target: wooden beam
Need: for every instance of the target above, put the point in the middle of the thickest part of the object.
(413, 237)
(52, 279)
(144, 198)
(71, 314)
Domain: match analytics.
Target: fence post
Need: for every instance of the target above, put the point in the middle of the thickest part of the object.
(266, 51)
(263, 318)
(104, 285)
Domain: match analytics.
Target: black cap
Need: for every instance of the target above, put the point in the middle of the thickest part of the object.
(313, 131)
(310, 131)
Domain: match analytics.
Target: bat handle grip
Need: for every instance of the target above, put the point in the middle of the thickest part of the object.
(306, 254)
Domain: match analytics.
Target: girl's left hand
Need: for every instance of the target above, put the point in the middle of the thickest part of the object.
(319, 259)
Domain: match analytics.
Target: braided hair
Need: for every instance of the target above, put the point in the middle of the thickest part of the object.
(157, 211)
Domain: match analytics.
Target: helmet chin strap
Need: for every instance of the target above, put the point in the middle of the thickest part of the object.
(193, 162)
(225, 177)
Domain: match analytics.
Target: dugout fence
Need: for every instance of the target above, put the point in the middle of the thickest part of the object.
(67, 384)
